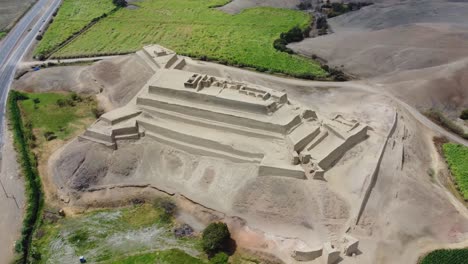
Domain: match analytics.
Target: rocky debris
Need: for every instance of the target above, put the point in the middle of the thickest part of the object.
(183, 231)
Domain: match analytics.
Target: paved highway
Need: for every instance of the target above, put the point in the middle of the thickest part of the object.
(16, 45)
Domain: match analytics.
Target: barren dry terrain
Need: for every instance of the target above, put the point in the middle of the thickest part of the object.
(11, 10)
(389, 191)
(403, 190)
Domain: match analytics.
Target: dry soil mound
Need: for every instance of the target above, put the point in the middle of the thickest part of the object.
(117, 79)
(237, 6)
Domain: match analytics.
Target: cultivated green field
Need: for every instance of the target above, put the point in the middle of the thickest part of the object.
(457, 158)
(196, 29)
(446, 256)
(73, 16)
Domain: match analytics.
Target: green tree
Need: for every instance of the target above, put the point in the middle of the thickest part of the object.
(464, 114)
(220, 258)
(215, 238)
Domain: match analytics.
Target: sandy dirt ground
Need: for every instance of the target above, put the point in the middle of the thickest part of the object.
(11, 200)
(11, 10)
(394, 36)
(412, 54)
(115, 81)
(308, 212)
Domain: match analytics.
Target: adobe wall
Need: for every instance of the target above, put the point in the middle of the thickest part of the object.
(373, 177)
(221, 117)
(195, 140)
(338, 152)
(262, 107)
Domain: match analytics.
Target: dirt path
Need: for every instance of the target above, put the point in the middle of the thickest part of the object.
(65, 61)
(11, 200)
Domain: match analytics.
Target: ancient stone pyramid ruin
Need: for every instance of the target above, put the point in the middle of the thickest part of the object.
(240, 122)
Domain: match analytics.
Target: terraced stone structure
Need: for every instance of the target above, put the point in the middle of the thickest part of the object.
(240, 122)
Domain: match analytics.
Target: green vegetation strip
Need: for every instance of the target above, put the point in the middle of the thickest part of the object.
(192, 28)
(457, 159)
(446, 256)
(29, 169)
(2, 34)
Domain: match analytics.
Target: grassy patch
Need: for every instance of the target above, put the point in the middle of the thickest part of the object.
(445, 256)
(2, 34)
(172, 256)
(125, 235)
(43, 112)
(72, 17)
(457, 158)
(196, 29)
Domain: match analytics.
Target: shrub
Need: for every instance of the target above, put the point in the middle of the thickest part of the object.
(220, 258)
(75, 97)
(215, 238)
(119, 3)
(39, 37)
(293, 35)
(464, 114)
(49, 135)
(168, 209)
(61, 103)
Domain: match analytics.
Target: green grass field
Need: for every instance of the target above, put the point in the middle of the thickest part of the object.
(136, 234)
(47, 116)
(73, 16)
(195, 29)
(457, 158)
(446, 256)
(172, 256)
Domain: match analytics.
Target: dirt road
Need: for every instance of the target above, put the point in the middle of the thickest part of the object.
(11, 200)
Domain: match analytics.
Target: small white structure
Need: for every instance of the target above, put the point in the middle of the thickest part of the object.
(307, 254)
(350, 245)
(331, 255)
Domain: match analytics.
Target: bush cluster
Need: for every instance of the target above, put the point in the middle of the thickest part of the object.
(293, 35)
(215, 238)
(439, 118)
(29, 170)
(120, 3)
(167, 207)
(338, 8)
(71, 101)
(464, 114)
